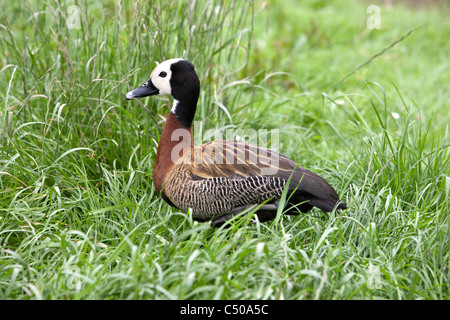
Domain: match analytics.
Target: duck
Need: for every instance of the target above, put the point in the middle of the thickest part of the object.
(221, 179)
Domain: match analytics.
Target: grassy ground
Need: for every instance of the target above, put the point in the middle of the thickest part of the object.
(79, 218)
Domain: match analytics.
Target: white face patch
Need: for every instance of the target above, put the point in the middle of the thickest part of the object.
(161, 75)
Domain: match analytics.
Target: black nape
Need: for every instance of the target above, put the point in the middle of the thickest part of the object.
(185, 87)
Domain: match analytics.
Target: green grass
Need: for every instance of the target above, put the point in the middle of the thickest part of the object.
(80, 219)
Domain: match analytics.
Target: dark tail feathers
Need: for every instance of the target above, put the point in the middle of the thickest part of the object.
(304, 202)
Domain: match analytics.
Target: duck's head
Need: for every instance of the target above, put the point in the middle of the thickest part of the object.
(176, 77)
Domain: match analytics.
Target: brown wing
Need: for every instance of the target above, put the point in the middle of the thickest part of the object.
(228, 174)
(233, 159)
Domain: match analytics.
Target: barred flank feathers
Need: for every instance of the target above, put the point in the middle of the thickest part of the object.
(212, 187)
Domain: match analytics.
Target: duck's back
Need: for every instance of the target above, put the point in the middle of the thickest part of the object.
(220, 178)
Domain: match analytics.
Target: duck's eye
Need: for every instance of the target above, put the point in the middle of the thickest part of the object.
(163, 74)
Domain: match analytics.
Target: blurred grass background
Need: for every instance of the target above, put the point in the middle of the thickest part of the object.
(79, 218)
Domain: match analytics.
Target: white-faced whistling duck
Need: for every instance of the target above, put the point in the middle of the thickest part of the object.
(220, 179)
